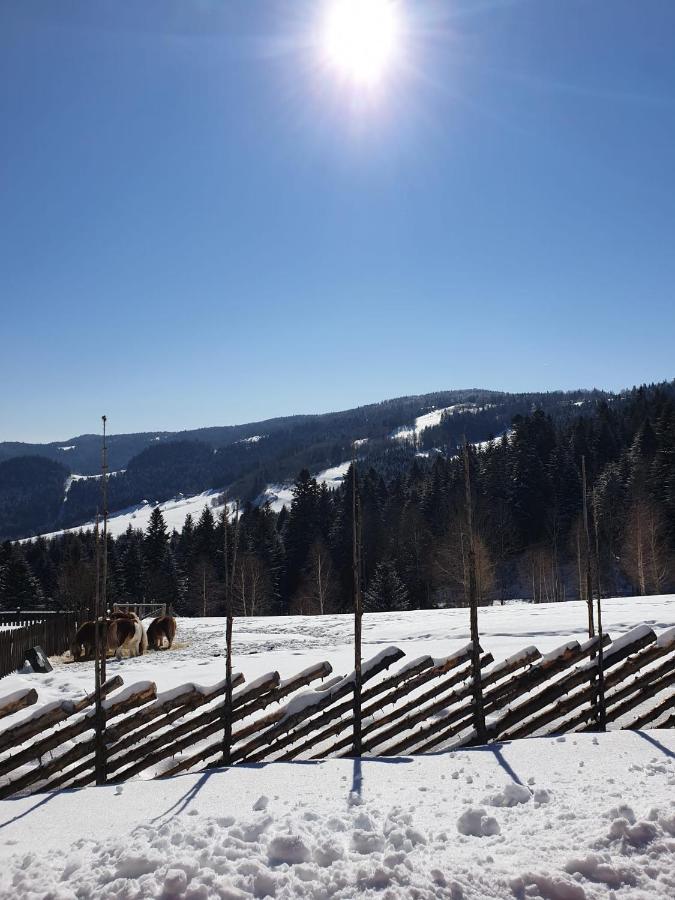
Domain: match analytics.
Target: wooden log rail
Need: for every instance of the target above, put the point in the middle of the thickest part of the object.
(17, 701)
(633, 664)
(243, 705)
(142, 756)
(421, 706)
(271, 740)
(215, 748)
(649, 685)
(120, 705)
(206, 725)
(534, 713)
(285, 719)
(499, 671)
(51, 715)
(655, 713)
(459, 719)
(375, 722)
(399, 685)
(188, 698)
(134, 696)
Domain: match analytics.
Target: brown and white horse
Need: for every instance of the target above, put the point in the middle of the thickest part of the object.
(124, 632)
(160, 628)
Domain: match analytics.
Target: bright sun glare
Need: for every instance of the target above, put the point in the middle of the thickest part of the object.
(361, 37)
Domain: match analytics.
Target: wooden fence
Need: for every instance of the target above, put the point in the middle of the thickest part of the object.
(422, 705)
(19, 631)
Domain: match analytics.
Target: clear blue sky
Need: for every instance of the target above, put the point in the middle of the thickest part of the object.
(201, 225)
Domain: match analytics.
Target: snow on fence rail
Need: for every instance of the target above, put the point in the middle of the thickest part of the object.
(423, 705)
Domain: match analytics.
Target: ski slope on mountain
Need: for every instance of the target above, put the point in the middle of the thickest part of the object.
(431, 420)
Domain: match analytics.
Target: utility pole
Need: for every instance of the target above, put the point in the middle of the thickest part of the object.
(479, 712)
(358, 608)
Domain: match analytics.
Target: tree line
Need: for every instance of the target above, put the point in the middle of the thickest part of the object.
(527, 504)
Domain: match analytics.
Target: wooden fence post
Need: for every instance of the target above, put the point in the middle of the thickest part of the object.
(358, 609)
(478, 710)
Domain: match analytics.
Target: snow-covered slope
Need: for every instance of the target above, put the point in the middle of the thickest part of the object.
(280, 495)
(175, 510)
(430, 420)
(138, 516)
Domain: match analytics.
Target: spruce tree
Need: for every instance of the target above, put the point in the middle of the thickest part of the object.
(386, 591)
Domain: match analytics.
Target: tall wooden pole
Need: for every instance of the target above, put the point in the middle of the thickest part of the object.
(599, 684)
(358, 609)
(229, 624)
(227, 708)
(478, 710)
(589, 579)
(99, 760)
(104, 564)
(602, 707)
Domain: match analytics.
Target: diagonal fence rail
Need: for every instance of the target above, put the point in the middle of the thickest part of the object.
(415, 706)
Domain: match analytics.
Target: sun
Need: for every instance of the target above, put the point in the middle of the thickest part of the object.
(361, 38)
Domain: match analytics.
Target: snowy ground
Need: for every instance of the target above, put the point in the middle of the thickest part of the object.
(289, 644)
(565, 819)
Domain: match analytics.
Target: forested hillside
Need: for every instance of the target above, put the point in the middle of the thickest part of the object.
(527, 504)
(244, 459)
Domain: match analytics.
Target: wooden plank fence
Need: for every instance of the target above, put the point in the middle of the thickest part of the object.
(19, 631)
(420, 706)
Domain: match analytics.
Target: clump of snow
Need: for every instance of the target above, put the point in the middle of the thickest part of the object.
(475, 821)
(289, 849)
(511, 794)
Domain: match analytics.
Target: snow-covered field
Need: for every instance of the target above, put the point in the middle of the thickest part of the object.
(564, 819)
(568, 818)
